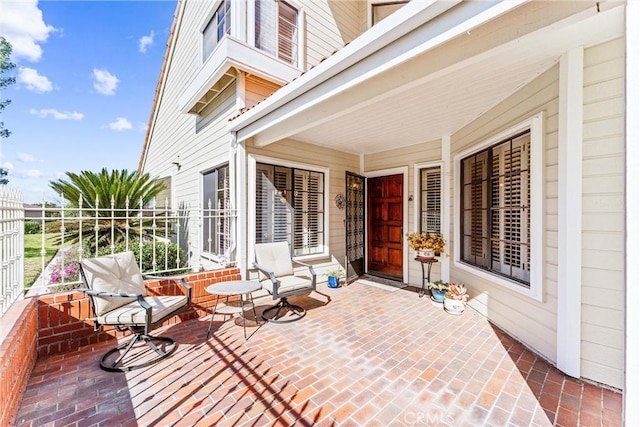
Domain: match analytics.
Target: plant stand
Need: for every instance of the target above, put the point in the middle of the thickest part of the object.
(429, 261)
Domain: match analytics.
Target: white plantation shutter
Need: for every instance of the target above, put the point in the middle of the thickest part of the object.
(287, 33)
(216, 229)
(430, 185)
(505, 197)
(276, 29)
(289, 206)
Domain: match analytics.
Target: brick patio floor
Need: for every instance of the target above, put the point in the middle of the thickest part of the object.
(369, 357)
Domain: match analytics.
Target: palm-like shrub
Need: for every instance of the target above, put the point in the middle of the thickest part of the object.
(111, 205)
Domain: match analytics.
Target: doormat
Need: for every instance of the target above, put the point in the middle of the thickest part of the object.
(387, 285)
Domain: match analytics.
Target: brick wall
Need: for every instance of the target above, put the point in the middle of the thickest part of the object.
(18, 331)
(61, 317)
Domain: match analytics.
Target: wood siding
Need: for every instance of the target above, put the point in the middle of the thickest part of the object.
(603, 214)
(531, 321)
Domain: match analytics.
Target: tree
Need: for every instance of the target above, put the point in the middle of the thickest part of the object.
(129, 191)
(5, 66)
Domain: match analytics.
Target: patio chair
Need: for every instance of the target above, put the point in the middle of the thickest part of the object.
(118, 298)
(275, 264)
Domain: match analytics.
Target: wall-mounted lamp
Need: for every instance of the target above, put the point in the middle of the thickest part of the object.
(177, 164)
(411, 197)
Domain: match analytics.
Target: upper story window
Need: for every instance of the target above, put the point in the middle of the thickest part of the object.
(496, 208)
(216, 223)
(290, 207)
(217, 28)
(430, 184)
(276, 29)
(381, 10)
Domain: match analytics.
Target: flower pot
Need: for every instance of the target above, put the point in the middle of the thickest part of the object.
(333, 282)
(425, 253)
(437, 296)
(453, 306)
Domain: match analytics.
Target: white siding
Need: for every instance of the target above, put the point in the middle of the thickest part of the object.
(603, 214)
(531, 321)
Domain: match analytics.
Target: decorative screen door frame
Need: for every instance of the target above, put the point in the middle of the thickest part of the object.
(355, 225)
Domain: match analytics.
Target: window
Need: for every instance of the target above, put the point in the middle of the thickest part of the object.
(496, 208)
(430, 179)
(379, 11)
(277, 29)
(217, 28)
(290, 207)
(216, 218)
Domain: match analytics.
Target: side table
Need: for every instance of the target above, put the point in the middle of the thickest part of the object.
(429, 261)
(233, 288)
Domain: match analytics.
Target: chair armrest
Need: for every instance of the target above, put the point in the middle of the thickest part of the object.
(183, 283)
(270, 274)
(108, 294)
(309, 266)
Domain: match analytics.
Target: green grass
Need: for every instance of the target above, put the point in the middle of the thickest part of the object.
(32, 260)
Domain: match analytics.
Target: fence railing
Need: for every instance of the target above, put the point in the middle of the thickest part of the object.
(11, 248)
(163, 240)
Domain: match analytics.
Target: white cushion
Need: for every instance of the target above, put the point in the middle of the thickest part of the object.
(287, 283)
(133, 313)
(275, 257)
(113, 273)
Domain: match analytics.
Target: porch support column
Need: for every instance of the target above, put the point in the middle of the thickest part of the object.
(446, 205)
(631, 411)
(240, 204)
(570, 212)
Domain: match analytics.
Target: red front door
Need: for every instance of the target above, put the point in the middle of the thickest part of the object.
(384, 224)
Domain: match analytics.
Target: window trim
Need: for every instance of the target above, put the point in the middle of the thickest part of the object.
(219, 258)
(251, 32)
(372, 3)
(537, 202)
(417, 168)
(253, 159)
(205, 22)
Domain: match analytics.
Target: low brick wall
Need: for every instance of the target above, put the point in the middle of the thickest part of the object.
(52, 324)
(18, 332)
(61, 317)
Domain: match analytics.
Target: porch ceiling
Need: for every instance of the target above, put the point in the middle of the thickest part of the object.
(419, 101)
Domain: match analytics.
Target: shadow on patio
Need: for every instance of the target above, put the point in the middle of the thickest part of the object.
(370, 357)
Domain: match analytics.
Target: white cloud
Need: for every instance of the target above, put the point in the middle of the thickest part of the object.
(26, 157)
(23, 26)
(104, 82)
(34, 81)
(58, 115)
(145, 41)
(8, 166)
(30, 173)
(120, 124)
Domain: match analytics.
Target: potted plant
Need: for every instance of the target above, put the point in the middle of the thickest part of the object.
(426, 244)
(455, 298)
(438, 290)
(334, 276)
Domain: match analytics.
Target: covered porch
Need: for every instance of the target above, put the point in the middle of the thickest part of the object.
(374, 356)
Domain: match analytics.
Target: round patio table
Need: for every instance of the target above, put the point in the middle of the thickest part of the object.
(228, 289)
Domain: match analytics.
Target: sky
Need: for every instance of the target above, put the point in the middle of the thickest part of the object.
(86, 74)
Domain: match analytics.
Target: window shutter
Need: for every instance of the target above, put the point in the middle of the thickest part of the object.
(266, 25)
(430, 200)
(287, 33)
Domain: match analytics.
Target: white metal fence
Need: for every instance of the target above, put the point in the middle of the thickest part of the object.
(11, 248)
(163, 240)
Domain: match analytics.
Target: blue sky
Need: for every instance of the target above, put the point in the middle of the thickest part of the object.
(86, 77)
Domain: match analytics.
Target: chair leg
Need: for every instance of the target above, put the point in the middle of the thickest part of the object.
(118, 366)
(298, 312)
